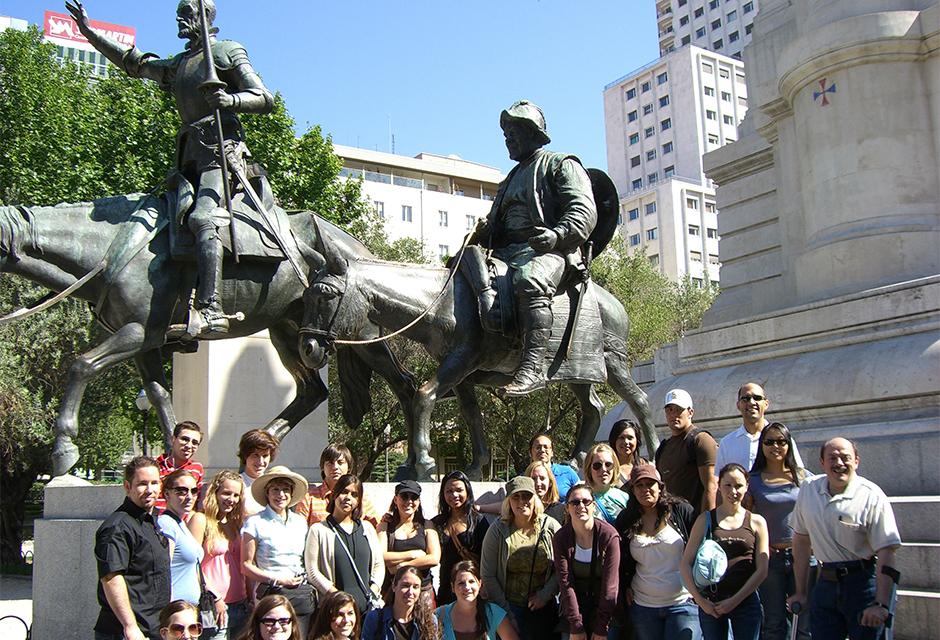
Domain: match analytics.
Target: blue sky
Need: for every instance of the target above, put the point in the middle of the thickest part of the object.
(439, 71)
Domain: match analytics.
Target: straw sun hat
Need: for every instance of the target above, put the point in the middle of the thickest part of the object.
(259, 488)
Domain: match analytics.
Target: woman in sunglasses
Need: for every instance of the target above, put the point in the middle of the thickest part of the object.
(602, 473)
(654, 529)
(587, 561)
(775, 483)
(546, 488)
(273, 619)
(408, 539)
(181, 490)
(179, 620)
(517, 568)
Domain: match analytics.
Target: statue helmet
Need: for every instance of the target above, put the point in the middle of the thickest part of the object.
(530, 114)
(210, 8)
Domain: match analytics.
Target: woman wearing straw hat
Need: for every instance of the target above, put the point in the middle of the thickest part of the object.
(273, 541)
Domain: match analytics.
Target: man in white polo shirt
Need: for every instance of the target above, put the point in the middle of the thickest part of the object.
(741, 445)
(847, 522)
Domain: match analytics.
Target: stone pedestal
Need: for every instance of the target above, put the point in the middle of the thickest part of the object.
(231, 386)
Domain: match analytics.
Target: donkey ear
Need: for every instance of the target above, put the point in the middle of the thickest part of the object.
(334, 261)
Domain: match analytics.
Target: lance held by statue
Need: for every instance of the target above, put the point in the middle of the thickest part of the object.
(544, 212)
(208, 99)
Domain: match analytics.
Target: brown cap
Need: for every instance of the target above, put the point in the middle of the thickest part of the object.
(645, 471)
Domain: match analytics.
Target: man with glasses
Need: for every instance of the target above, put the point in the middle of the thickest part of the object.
(847, 522)
(133, 560)
(686, 460)
(187, 436)
(741, 445)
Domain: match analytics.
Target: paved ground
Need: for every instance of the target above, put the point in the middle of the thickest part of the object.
(16, 599)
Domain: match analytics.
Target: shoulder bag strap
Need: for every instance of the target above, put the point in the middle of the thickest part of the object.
(342, 543)
(535, 552)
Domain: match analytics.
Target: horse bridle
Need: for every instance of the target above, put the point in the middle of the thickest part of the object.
(328, 335)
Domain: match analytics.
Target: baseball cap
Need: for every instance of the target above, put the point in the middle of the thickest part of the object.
(520, 483)
(678, 397)
(645, 471)
(408, 486)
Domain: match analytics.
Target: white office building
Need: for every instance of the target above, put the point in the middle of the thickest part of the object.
(435, 199)
(722, 26)
(659, 121)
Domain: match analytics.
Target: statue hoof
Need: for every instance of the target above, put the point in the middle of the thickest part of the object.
(475, 472)
(405, 472)
(425, 470)
(64, 457)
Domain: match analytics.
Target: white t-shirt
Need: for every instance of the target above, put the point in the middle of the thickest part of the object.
(657, 582)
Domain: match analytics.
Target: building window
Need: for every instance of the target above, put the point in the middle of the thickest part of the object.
(711, 115)
(651, 155)
(664, 101)
(652, 178)
(726, 96)
(648, 132)
(667, 148)
(718, 44)
(748, 28)
(634, 138)
(707, 68)
(748, 7)
(711, 233)
(710, 207)
(684, 20)
(379, 208)
(691, 203)
(712, 258)
(634, 239)
(650, 208)
(665, 124)
(634, 162)
(695, 230)
(686, 40)
(636, 184)
(631, 93)
(645, 87)
(632, 116)
(619, 218)
(654, 260)
(709, 91)
(742, 101)
(700, 32)
(406, 212)
(633, 214)
(662, 78)
(471, 222)
(669, 171)
(442, 218)
(712, 138)
(739, 77)
(729, 140)
(682, 3)
(732, 16)
(724, 73)
(647, 109)
(695, 256)
(713, 4)
(651, 234)
(716, 24)
(727, 119)
(733, 37)
(699, 12)
(443, 251)
(698, 282)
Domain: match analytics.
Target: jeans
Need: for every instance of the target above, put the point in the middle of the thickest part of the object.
(613, 633)
(238, 614)
(536, 625)
(774, 591)
(836, 607)
(745, 621)
(679, 621)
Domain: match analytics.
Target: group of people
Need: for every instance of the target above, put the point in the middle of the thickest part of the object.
(607, 551)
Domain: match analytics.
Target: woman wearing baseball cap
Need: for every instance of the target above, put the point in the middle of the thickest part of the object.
(408, 540)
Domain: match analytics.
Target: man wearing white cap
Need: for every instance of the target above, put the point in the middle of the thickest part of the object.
(686, 460)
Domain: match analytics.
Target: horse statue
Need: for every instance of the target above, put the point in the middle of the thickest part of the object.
(350, 296)
(139, 296)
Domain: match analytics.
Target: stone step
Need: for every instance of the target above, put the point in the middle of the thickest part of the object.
(919, 564)
(918, 518)
(918, 615)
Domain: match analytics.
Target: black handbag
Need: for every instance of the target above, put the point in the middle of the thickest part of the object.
(207, 615)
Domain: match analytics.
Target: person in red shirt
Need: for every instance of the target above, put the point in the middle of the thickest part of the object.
(335, 462)
(187, 436)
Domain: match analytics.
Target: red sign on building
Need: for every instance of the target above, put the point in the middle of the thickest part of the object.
(61, 26)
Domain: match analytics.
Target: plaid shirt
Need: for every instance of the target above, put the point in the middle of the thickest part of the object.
(314, 506)
(165, 464)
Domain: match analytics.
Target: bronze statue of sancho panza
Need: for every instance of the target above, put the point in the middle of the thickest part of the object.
(239, 90)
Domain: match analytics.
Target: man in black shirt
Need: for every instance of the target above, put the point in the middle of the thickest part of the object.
(133, 560)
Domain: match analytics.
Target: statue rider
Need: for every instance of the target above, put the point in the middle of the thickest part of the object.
(543, 213)
(197, 155)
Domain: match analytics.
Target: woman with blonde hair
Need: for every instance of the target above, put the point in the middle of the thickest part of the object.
(602, 473)
(218, 530)
(546, 488)
(517, 562)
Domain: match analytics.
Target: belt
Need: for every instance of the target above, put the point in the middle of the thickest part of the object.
(835, 571)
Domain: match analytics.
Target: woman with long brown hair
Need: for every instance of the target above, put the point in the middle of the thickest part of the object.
(471, 616)
(272, 619)
(406, 614)
(337, 618)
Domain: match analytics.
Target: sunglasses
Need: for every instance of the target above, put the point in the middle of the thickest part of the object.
(583, 502)
(177, 630)
(751, 396)
(778, 442)
(271, 622)
(524, 496)
(182, 492)
(597, 466)
(408, 497)
(188, 440)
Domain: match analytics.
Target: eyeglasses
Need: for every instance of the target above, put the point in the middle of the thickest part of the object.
(750, 396)
(177, 630)
(779, 442)
(597, 466)
(271, 622)
(280, 488)
(408, 497)
(188, 440)
(583, 502)
(182, 492)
